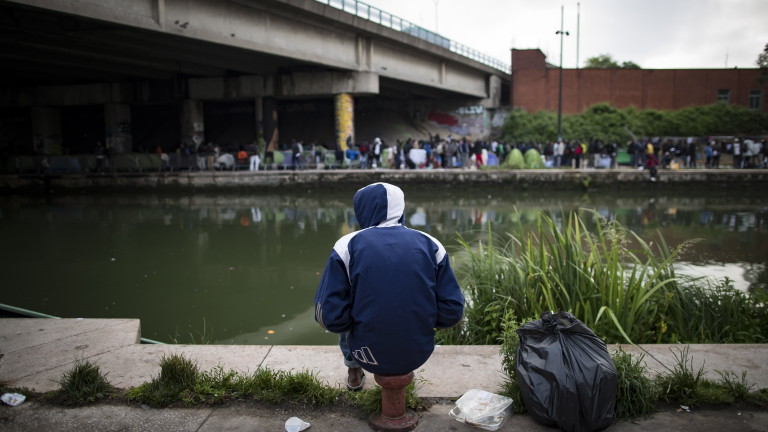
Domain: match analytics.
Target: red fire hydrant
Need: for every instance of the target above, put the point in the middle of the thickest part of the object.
(394, 416)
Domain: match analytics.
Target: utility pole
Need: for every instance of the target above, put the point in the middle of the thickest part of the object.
(578, 31)
(562, 33)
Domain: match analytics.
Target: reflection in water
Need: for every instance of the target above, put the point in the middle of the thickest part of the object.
(247, 265)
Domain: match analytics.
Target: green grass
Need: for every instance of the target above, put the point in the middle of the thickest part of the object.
(180, 382)
(83, 384)
(636, 394)
(369, 400)
(621, 286)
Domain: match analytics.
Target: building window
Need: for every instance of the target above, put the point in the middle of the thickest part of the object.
(756, 99)
(724, 95)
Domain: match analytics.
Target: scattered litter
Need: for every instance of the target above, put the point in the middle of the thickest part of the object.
(684, 408)
(482, 409)
(231, 268)
(270, 332)
(295, 424)
(113, 259)
(13, 399)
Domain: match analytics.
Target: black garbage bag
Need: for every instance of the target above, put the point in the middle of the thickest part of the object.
(566, 375)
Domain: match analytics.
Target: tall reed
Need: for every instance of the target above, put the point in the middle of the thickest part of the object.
(618, 284)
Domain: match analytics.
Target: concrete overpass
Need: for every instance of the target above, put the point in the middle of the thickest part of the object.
(142, 72)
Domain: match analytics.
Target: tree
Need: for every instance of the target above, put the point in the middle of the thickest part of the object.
(762, 59)
(762, 63)
(630, 65)
(605, 61)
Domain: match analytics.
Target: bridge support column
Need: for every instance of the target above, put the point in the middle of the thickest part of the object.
(192, 124)
(345, 120)
(117, 124)
(46, 130)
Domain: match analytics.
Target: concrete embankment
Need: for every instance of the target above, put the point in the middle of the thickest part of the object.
(545, 179)
(37, 351)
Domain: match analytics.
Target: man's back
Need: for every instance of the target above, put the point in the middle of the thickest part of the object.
(387, 287)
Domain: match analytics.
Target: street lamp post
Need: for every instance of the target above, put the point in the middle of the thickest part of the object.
(560, 94)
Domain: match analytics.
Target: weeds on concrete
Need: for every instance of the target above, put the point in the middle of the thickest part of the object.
(369, 400)
(636, 394)
(683, 382)
(83, 384)
(180, 381)
(688, 386)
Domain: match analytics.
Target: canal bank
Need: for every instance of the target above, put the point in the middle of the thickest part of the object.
(37, 351)
(544, 179)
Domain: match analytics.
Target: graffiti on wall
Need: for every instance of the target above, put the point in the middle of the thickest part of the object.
(467, 121)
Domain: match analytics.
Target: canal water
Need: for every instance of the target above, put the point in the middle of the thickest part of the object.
(242, 268)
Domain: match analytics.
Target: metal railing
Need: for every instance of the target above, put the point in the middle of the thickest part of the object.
(373, 14)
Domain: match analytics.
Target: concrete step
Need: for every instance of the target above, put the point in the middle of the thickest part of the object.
(38, 351)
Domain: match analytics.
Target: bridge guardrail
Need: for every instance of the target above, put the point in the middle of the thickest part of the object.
(374, 14)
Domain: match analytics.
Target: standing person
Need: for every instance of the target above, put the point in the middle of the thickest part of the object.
(559, 152)
(650, 164)
(296, 149)
(385, 288)
(477, 148)
(736, 153)
(376, 153)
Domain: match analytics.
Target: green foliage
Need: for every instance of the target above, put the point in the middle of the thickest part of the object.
(83, 384)
(178, 375)
(681, 385)
(619, 285)
(180, 381)
(510, 342)
(602, 61)
(605, 61)
(524, 127)
(369, 400)
(602, 121)
(636, 394)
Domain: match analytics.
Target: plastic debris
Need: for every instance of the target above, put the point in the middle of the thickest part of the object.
(295, 424)
(13, 399)
(482, 409)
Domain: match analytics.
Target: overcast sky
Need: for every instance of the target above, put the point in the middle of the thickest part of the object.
(656, 34)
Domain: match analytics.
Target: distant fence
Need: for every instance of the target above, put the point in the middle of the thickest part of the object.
(366, 11)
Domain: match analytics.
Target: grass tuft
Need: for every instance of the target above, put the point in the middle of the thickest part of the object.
(636, 394)
(83, 384)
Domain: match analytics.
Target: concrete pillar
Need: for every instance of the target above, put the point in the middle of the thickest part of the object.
(345, 119)
(258, 104)
(117, 125)
(192, 124)
(46, 130)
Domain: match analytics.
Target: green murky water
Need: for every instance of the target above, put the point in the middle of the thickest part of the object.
(237, 269)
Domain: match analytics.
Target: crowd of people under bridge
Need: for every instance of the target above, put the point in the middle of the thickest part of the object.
(436, 152)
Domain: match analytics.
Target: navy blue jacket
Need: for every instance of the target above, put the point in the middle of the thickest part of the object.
(387, 286)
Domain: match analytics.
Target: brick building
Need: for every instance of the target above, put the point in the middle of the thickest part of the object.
(535, 86)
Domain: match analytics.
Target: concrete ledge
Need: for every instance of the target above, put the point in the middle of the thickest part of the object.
(37, 352)
(548, 179)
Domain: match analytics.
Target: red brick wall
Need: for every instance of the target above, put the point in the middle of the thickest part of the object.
(535, 86)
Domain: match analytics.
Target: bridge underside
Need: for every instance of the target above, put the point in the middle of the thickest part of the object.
(63, 68)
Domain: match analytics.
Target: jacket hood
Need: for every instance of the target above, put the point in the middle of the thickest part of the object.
(379, 204)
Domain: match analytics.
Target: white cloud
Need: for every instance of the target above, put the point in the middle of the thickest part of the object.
(651, 33)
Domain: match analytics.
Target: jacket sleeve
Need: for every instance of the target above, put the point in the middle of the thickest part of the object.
(333, 300)
(450, 300)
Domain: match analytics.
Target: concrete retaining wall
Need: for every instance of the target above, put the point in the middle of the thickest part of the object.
(548, 179)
